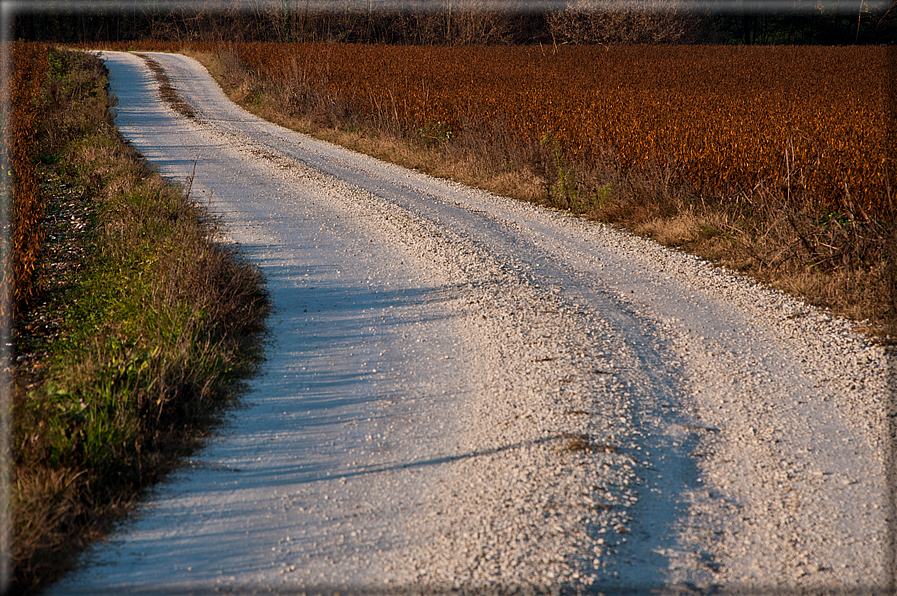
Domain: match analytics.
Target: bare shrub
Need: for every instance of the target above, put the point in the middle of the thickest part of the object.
(639, 22)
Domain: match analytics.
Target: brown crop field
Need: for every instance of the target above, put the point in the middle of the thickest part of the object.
(814, 118)
(805, 118)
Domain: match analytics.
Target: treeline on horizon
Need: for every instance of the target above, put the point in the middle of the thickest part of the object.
(469, 22)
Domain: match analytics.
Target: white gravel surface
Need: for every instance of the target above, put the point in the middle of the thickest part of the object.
(467, 393)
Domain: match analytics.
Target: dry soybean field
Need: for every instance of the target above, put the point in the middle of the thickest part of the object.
(815, 118)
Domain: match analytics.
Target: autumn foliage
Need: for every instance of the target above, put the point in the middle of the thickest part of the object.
(803, 118)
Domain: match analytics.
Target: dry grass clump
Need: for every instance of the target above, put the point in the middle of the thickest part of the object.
(141, 331)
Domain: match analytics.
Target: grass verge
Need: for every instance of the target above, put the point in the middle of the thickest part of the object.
(841, 261)
(141, 332)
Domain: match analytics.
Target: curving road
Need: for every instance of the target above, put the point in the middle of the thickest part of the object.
(463, 392)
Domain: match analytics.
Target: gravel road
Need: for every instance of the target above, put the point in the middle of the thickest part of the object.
(466, 392)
